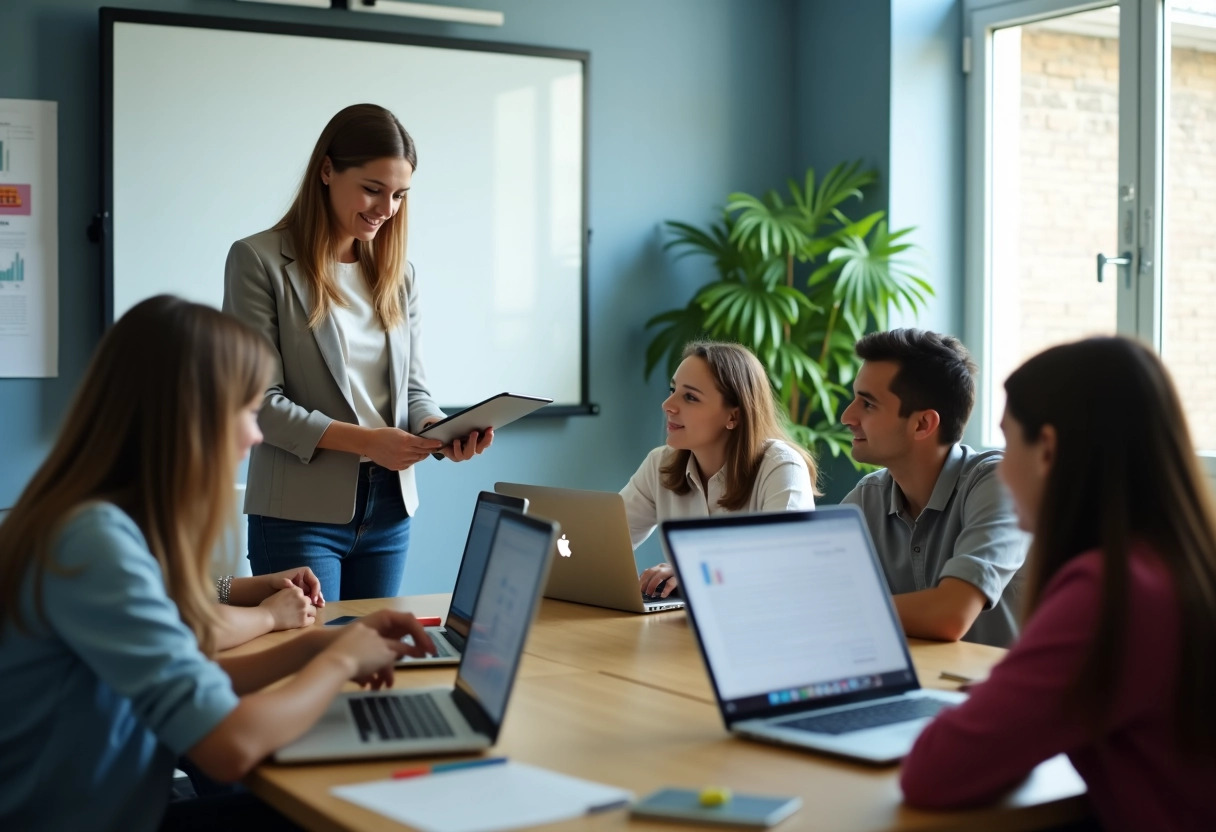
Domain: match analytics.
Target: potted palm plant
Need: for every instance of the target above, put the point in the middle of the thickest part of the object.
(798, 282)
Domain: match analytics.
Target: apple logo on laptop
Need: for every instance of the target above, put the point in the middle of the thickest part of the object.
(563, 547)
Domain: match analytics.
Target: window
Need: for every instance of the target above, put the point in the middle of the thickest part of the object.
(1091, 133)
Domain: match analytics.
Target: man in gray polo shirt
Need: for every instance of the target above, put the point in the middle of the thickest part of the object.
(942, 522)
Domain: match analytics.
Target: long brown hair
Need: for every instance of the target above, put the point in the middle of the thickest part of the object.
(743, 383)
(357, 135)
(153, 430)
(1125, 472)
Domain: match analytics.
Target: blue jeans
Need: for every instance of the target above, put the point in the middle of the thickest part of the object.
(364, 558)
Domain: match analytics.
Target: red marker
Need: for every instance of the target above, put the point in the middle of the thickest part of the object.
(429, 620)
(439, 768)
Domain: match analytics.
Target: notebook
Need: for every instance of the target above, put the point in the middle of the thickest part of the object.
(516, 795)
(452, 636)
(467, 717)
(594, 561)
(799, 634)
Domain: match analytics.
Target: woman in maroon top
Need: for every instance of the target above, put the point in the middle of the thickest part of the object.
(1116, 666)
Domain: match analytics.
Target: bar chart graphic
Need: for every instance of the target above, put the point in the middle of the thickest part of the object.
(15, 271)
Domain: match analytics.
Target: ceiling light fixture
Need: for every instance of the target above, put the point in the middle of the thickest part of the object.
(402, 8)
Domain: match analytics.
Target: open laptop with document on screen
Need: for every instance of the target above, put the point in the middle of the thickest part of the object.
(798, 632)
(452, 636)
(594, 562)
(467, 717)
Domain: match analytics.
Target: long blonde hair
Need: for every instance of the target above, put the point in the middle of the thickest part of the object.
(357, 135)
(153, 430)
(743, 383)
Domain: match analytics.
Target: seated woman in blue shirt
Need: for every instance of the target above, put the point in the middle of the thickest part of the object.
(107, 613)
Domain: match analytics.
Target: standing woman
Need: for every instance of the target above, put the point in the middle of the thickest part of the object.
(726, 451)
(1116, 665)
(332, 487)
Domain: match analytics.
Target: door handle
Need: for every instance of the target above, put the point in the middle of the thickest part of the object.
(1124, 259)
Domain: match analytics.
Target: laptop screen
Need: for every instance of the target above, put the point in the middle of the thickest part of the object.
(476, 551)
(517, 561)
(789, 607)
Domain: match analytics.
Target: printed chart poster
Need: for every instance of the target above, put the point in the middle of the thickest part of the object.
(29, 239)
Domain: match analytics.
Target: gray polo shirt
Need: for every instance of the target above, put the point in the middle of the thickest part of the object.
(967, 531)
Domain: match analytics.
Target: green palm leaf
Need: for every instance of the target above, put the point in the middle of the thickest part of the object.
(676, 328)
(873, 277)
(798, 281)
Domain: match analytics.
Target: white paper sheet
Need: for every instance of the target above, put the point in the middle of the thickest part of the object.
(29, 238)
(485, 798)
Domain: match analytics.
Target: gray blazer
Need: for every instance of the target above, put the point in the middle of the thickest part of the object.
(288, 476)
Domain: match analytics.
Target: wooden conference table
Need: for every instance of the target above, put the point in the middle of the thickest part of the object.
(624, 699)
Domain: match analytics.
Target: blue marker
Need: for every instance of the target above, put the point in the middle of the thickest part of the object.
(459, 764)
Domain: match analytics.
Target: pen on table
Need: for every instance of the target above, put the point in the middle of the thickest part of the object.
(439, 768)
(955, 677)
(609, 806)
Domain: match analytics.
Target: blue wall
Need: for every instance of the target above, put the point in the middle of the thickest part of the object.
(882, 81)
(690, 100)
(927, 141)
(843, 87)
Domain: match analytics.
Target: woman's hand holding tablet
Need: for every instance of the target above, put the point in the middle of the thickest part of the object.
(493, 413)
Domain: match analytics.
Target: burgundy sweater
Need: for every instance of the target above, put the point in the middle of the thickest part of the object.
(1137, 778)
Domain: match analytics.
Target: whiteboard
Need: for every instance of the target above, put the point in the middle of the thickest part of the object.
(209, 124)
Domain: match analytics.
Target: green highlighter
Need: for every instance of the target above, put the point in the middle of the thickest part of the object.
(717, 806)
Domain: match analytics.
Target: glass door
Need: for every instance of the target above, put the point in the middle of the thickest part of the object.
(1067, 115)
(1188, 257)
(1054, 162)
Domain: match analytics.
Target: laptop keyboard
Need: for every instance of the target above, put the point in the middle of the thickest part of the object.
(874, 716)
(442, 650)
(398, 718)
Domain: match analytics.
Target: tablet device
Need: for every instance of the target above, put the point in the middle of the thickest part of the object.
(755, 811)
(494, 412)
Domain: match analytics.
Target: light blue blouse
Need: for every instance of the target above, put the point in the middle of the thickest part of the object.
(98, 701)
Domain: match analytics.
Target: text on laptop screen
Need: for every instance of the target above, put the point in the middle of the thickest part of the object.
(500, 623)
(473, 564)
(789, 606)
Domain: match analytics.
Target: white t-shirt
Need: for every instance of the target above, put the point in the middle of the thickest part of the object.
(782, 484)
(364, 347)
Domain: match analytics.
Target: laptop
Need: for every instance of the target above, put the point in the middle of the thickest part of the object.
(799, 634)
(594, 563)
(467, 717)
(450, 639)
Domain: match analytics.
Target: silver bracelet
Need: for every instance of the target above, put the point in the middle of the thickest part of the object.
(223, 586)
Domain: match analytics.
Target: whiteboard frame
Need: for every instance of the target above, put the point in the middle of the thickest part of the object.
(103, 227)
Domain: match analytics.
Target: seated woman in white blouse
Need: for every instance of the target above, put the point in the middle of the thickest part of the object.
(726, 452)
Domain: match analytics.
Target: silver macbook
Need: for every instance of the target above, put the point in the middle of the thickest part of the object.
(450, 639)
(593, 562)
(467, 717)
(799, 634)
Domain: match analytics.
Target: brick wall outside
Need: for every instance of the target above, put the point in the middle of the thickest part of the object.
(1068, 182)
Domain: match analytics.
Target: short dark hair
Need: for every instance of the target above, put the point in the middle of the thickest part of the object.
(936, 372)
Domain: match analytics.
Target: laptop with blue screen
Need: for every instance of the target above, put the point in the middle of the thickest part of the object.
(799, 634)
(450, 639)
(467, 717)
